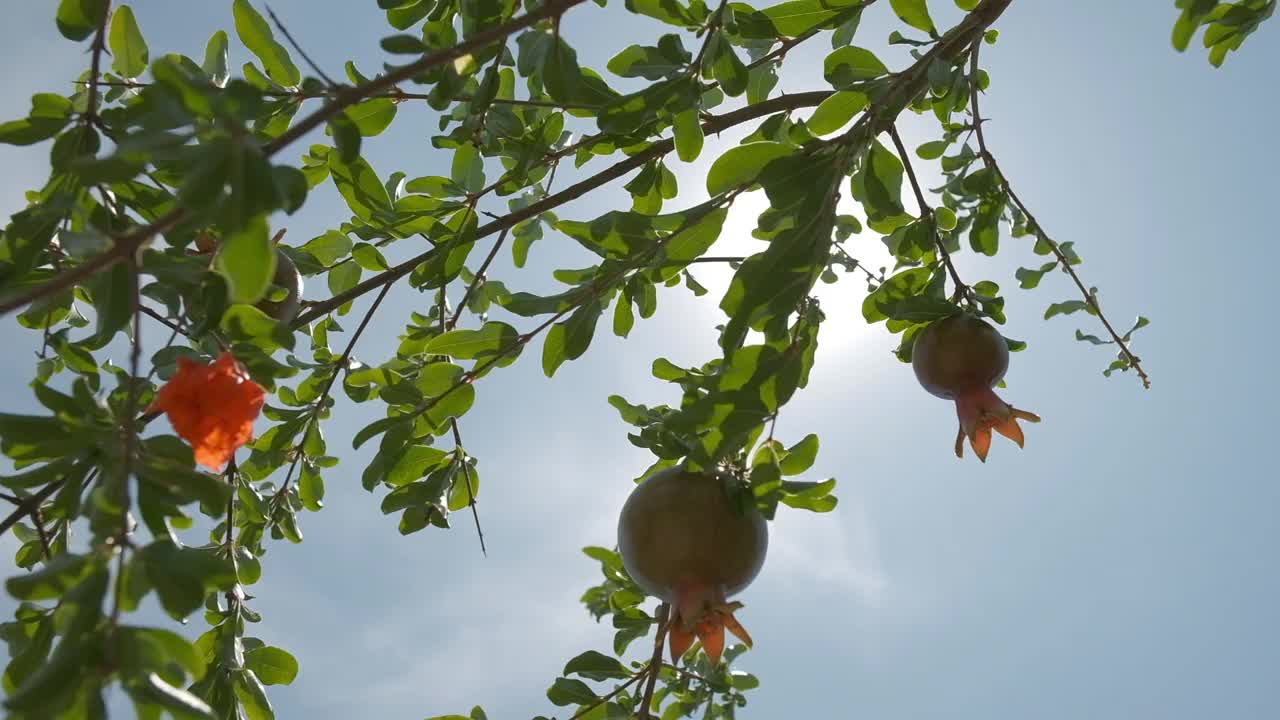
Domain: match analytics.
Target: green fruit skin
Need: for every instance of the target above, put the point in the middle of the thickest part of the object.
(287, 277)
(679, 531)
(959, 354)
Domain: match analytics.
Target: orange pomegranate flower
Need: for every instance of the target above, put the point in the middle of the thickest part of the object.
(212, 407)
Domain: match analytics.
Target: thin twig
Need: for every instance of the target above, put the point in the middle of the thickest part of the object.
(582, 712)
(37, 519)
(339, 367)
(118, 590)
(165, 321)
(289, 36)
(95, 63)
(479, 278)
(131, 402)
(231, 474)
(655, 664)
(30, 505)
(442, 307)
(926, 212)
(1061, 257)
(713, 27)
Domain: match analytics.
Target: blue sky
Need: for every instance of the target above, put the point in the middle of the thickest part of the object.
(1121, 566)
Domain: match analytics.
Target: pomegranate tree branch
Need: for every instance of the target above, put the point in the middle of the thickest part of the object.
(573, 192)
(124, 245)
(926, 212)
(394, 93)
(905, 86)
(655, 664)
(343, 99)
(1089, 298)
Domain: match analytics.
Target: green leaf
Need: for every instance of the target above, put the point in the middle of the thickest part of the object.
(329, 247)
(836, 111)
(128, 47)
(247, 260)
(272, 665)
(570, 692)
(815, 497)
(493, 338)
(246, 323)
(346, 138)
(672, 12)
(78, 19)
(415, 463)
(568, 340)
(877, 184)
(113, 294)
(795, 18)
(932, 150)
(726, 67)
(596, 666)
(216, 58)
(688, 134)
(623, 317)
(171, 646)
(371, 117)
(1030, 277)
(743, 164)
(908, 283)
(914, 13)
(465, 488)
(945, 218)
(181, 704)
(403, 44)
(182, 575)
(800, 456)
(50, 582)
(852, 64)
(1067, 308)
(369, 257)
(468, 168)
(256, 35)
(49, 114)
(360, 187)
(253, 697)
(650, 63)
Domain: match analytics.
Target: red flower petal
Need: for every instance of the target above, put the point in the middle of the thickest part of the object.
(212, 407)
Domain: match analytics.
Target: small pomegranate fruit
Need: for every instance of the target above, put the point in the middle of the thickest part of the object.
(683, 540)
(962, 358)
(288, 277)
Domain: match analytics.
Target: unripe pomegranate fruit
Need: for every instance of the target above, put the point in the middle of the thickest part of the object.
(962, 358)
(684, 540)
(288, 277)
